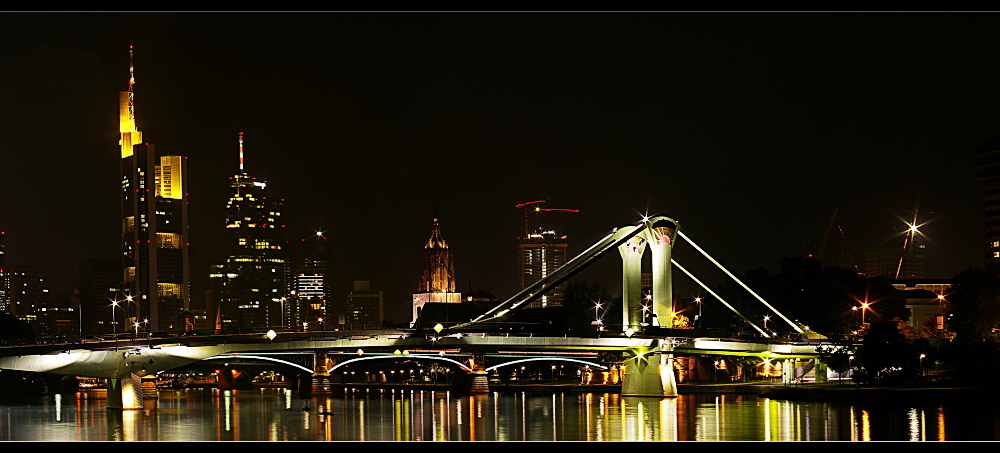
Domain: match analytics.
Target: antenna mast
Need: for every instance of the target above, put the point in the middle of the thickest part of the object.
(241, 153)
(131, 83)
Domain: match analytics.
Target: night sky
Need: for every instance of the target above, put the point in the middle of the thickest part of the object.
(748, 128)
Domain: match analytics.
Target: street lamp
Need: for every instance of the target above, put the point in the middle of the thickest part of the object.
(766, 319)
(697, 300)
(114, 325)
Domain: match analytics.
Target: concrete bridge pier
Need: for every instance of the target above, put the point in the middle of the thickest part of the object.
(321, 375)
(476, 381)
(651, 374)
(125, 393)
(820, 370)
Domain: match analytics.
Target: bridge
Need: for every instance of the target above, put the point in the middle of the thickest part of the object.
(648, 350)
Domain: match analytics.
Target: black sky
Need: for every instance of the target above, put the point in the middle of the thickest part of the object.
(748, 128)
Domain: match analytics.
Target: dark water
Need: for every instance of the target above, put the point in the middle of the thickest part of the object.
(275, 414)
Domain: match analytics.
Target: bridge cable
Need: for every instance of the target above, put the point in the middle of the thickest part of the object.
(730, 274)
(561, 274)
(719, 297)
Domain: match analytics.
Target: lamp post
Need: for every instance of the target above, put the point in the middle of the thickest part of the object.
(697, 300)
(114, 326)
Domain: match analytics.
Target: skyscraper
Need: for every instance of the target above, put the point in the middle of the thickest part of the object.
(154, 224)
(3, 278)
(986, 169)
(310, 278)
(538, 254)
(250, 283)
(364, 306)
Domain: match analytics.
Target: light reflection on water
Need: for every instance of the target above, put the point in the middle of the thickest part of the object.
(275, 414)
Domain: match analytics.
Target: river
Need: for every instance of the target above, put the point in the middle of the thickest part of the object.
(423, 415)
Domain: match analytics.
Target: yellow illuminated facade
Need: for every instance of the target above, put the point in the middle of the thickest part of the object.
(170, 177)
(154, 225)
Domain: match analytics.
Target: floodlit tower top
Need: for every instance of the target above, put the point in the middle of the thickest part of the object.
(131, 83)
(241, 153)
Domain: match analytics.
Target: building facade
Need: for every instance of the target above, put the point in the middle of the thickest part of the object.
(538, 255)
(250, 284)
(364, 306)
(154, 215)
(100, 280)
(3, 278)
(309, 293)
(986, 169)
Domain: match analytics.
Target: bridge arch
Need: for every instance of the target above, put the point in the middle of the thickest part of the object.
(547, 359)
(396, 357)
(257, 357)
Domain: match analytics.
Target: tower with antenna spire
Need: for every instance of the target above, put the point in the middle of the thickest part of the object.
(154, 213)
(249, 286)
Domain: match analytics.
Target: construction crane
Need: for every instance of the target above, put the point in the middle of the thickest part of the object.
(538, 208)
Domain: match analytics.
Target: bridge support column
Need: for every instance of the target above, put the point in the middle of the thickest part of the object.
(149, 391)
(476, 381)
(125, 393)
(321, 376)
(788, 371)
(631, 253)
(820, 370)
(651, 374)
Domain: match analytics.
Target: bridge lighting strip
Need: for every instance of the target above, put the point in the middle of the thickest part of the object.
(258, 357)
(718, 297)
(580, 354)
(539, 359)
(411, 356)
(683, 236)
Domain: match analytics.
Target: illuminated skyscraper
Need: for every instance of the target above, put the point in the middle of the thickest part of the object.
(154, 224)
(309, 292)
(538, 254)
(3, 278)
(250, 283)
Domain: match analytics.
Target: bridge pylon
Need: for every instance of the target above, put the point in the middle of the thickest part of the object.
(631, 253)
(660, 233)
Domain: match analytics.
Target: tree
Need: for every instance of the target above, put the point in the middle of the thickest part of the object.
(579, 302)
(886, 355)
(12, 329)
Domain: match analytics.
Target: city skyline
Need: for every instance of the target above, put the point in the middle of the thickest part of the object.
(749, 129)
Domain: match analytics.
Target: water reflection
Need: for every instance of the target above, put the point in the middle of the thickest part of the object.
(275, 414)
